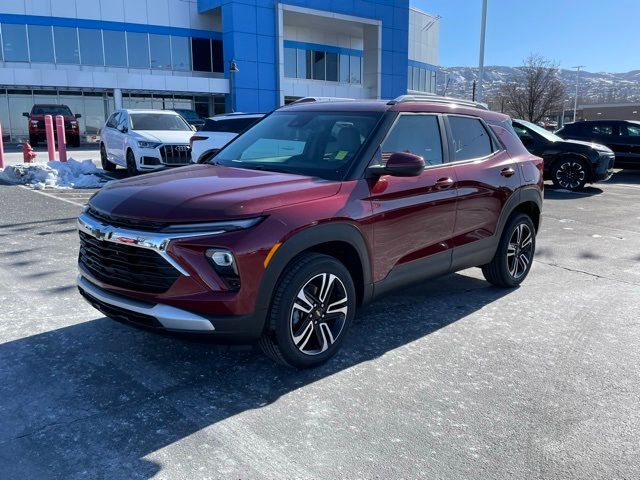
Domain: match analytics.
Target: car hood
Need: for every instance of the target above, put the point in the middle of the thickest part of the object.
(202, 193)
(164, 136)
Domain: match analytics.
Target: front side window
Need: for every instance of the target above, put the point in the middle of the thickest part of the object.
(318, 144)
(40, 43)
(157, 121)
(417, 134)
(14, 43)
(470, 138)
(67, 50)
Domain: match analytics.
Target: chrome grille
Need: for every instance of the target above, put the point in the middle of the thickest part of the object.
(175, 154)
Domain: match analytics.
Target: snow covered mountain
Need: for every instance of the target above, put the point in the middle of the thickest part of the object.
(594, 87)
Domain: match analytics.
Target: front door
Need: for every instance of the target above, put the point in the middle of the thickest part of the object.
(414, 216)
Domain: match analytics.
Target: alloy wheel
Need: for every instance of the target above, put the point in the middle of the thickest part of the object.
(571, 175)
(319, 314)
(520, 250)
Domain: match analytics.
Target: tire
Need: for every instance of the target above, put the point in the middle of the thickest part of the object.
(311, 311)
(74, 142)
(513, 259)
(33, 141)
(132, 168)
(106, 164)
(570, 174)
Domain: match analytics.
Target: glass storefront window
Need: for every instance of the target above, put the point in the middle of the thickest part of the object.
(303, 72)
(410, 77)
(332, 67)
(19, 103)
(355, 67)
(4, 116)
(217, 56)
(116, 52)
(14, 42)
(160, 51)
(344, 68)
(67, 50)
(40, 43)
(319, 65)
(181, 53)
(94, 114)
(91, 46)
(138, 49)
(290, 62)
(201, 48)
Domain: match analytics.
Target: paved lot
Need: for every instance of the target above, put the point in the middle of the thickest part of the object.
(451, 379)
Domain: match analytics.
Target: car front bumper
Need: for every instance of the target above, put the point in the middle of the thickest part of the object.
(603, 170)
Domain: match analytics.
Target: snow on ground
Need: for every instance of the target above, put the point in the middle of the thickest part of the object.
(72, 174)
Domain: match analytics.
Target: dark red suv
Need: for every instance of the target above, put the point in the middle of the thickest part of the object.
(316, 210)
(37, 131)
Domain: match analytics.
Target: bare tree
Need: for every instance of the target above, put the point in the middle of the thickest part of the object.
(539, 92)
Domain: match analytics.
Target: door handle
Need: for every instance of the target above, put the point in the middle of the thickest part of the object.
(443, 183)
(507, 172)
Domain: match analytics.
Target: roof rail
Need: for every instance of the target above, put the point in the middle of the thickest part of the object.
(437, 99)
(322, 99)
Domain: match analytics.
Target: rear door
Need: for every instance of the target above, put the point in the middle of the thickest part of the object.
(120, 134)
(414, 216)
(108, 135)
(629, 137)
(487, 178)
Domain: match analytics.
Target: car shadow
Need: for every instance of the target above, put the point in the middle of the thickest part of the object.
(98, 397)
(554, 193)
(628, 175)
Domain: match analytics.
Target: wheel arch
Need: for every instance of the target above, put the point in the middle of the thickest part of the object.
(343, 241)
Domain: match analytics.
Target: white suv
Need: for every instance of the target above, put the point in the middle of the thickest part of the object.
(219, 130)
(145, 140)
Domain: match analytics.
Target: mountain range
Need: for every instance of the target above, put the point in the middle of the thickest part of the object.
(593, 87)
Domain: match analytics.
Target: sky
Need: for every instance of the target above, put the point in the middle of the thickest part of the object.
(603, 35)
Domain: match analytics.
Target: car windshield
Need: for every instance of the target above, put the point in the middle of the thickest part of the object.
(51, 110)
(552, 137)
(317, 144)
(188, 114)
(158, 121)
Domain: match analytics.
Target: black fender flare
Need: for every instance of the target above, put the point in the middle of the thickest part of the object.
(528, 193)
(307, 239)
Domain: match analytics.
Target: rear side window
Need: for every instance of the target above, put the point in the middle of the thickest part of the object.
(470, 138)
(417, 134)
(602, 130)
(232, 125)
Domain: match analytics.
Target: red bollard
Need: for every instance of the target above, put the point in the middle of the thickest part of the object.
(48, 126)
(1, 149)
(62, 141)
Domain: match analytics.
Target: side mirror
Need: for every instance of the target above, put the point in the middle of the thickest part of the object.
(78, 115)
(25, 114)
(400, 164)
(193, 127)
(122, 129)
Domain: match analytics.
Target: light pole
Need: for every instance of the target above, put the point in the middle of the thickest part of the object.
(233, 69)
(575, 102)
(483, 30)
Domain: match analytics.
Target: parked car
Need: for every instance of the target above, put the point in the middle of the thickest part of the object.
(191, 116)
(570, 164)
(217, 131)
(621, 136)
(145, 140)
(37, 132)
(309, 214)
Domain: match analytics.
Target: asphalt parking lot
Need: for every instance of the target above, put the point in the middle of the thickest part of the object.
(450, 379)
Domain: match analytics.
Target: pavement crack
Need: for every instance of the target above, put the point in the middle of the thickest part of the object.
(595, 275)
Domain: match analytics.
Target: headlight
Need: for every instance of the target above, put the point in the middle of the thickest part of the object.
(219, 227)
(73, 123)
(34, 123)
(145, 144)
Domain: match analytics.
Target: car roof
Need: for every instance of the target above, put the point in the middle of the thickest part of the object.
(141, 110)
(407, 106)
(49, 105)
(227, 116)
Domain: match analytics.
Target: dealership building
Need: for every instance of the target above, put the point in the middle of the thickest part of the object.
(212, 56)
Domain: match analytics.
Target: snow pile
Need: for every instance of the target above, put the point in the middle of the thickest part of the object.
(72, 174)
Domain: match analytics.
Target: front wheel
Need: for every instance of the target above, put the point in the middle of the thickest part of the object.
(312, 309)
(132, 167)
(570, 174)
(513, 259)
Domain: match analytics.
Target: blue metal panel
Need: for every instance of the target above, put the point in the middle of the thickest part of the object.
(104, 25)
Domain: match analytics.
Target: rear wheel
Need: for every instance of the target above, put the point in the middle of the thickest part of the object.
(513, 259)
(104, 160)
(132, 167)
(570, 174)
(312, 309)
